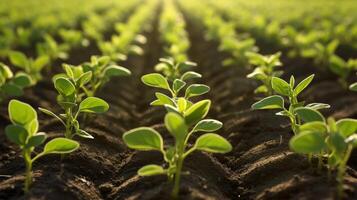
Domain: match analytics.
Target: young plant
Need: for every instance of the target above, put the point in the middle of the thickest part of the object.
(32, 67)
(342, 68)
(11, 85)
(72, 105)
(179, 126)
(290, 91)
(24, 132)
(173, 70)
(264, 70)
(334, 140)
(52, 49)
(102, 70)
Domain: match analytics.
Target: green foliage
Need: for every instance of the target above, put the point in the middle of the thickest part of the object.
(32, 67)
(172, 69)
(24, 132)
(184, 118)
(297, 112)
(71, 102)
(12, 85)
(264, 70)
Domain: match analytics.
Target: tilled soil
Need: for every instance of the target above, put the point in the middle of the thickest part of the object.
(261, 166)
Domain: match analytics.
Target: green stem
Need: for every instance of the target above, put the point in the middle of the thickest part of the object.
(341, 171)
(176, 188)
(28, 178)
(319, 165)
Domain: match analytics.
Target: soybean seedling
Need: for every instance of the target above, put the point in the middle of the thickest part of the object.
(72, 106)
(290, 91)
(32, 67)
(102, 70)
(10, 84)
(145, 139)
(264, 70)
(332, 139)
(24, 132)
(172, 69)
(342, 68)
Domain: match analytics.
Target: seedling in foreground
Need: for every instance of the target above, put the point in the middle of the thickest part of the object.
(32, 67)
(334, 140)
(67, 98)
(24, 132)
(11, 85)
(264, 70)
(179, 126)
(296, 109)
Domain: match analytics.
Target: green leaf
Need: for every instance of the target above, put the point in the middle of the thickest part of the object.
(178, 85)
(21, 113)
(143, 138)
(22, 80)
(214, 143)
(208, 125)
(280, 86)
(181, 104)
(155, 80)
(114, 70)
(303, 84)
(84, 79)
(352, 139)
(164, 99)
(309, 115)
(346, 127)
(16, 134)
(18, 59)
(93, 105)
(64, 86)
(5, 71)
(176, 125)
(12, 90)
(197, 112)
(353, 87)
(84, 134)
(271, 102)
(196, 90)
(315, 126)
(36, 140)
(307, 142)
(190, 75)
(151, 170)
(50, 113)
(41, 62)
(318, 106)
(60, 146)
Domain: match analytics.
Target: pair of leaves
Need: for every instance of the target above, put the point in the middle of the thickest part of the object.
(287, 89)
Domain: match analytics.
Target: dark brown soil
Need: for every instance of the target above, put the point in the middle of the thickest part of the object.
(261, 166)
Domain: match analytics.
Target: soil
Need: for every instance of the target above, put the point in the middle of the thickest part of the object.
(261, 166)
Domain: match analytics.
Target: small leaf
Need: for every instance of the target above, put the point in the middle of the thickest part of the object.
(150, 170)
(181, 104)
(346, 127)
(208, 125)
(197, 112)
(41, 62)
(307, 142)
(36, 140)
(84, 79)
(50, 113)
(60, 146)
(178, 85)
(64, 86)
(114, 70)
(309, 115)
(155, 80)
(318, 106)
(176, 125)
(18, 59)
(21, 113)
(196, 90)
(315, 126)
(214, 143)
(93, 105)
(164, 99)
(190, 75)
(22, 80)
(84, 134)
(280, 86)
(16, 134)
(353, 87)
(11, 89)
(303, 84)
(271, 102)
(143, 138)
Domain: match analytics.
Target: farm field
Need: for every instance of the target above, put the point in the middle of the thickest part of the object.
(178, 99)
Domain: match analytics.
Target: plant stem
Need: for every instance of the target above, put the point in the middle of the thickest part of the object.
(176, 188)
(28, 178)
(341, 171)
(319, 165)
